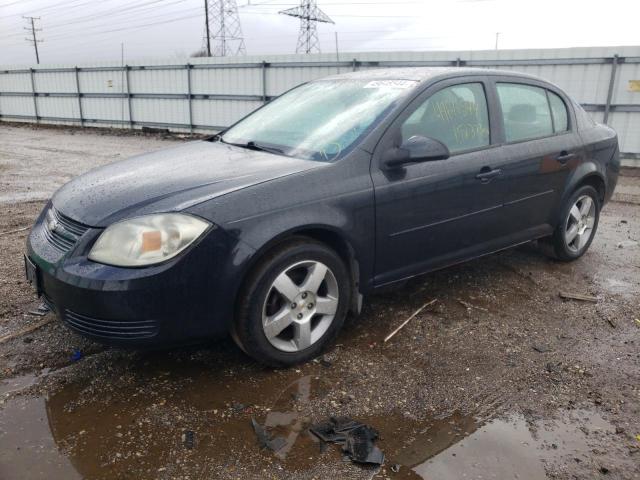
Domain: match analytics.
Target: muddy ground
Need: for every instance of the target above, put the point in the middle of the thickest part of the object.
(499, 379)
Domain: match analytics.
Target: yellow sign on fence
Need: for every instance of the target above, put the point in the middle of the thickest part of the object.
(634, 85)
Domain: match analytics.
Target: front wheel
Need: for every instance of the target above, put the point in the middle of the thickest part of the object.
(293, 304)
(578, 224)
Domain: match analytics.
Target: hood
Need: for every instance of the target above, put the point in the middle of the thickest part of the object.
(169, 180)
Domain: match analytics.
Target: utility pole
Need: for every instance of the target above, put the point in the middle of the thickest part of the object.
(309, 15)
(497, 37)
(223, 28)
(33, 39)
(206, 26)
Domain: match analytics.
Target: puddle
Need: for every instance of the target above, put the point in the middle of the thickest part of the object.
(615, 285)
(135, 424)
(17, 384)
(457, 447)
(84, 432)
(27, 447)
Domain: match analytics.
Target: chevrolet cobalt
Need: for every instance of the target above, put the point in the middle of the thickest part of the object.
(275, 229)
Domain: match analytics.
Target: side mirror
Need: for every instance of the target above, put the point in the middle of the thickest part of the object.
(415, 150)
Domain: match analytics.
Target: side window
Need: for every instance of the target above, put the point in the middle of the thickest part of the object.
(457, 116)
(525, 111)
(559, 112)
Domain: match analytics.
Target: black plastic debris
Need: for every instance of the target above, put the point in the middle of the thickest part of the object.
(189, 439)
(356, 439)
(265, 439)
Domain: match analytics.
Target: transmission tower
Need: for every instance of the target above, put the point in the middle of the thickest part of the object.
(223, 35)
(31, 22)
(309, 15)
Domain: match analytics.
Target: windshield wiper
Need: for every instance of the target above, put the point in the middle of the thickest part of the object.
(251, 145)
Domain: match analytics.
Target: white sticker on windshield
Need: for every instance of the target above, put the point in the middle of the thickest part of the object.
(399, 84)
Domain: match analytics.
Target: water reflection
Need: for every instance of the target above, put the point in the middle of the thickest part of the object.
(133, 428)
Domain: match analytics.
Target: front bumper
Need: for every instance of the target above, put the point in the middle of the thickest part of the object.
(186, 299)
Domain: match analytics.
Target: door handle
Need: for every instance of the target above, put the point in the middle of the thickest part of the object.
(565, 156)
(486, 174)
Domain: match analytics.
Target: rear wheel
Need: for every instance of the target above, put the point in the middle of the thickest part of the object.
(578, 224)
(293, 304)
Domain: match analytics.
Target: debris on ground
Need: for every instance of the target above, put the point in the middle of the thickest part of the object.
(325, 363)
(541, 348)
(9, 232)
(627, 244)
(265, 439)
(388, 337)
(578, 296)
(76, 355)
(30, 329)
(355, 438)
(189, 439)
(164, 131)
(41, 311)
(470, 306)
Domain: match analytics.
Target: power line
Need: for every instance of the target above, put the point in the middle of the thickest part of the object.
(309, 15)
(34, 39)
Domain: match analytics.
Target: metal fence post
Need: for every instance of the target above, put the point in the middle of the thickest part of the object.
(77, 70)
(33, 92)
(126, 69)
(354, 64)
(189, 66)
(612, 80)
(264, 81)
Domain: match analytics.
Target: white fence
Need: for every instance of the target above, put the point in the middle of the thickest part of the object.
(211, 93)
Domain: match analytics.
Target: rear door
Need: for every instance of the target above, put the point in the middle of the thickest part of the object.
(541, 146)
(431, 214)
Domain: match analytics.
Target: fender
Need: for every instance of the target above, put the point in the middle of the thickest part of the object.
(327, 234)
(585, 171)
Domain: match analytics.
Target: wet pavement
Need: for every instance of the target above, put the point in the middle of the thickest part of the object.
(500, 378)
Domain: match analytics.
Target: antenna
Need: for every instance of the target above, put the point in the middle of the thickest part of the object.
(33, 39)
(309, 15)
(223, 30)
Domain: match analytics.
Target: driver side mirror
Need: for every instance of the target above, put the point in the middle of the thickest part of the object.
(415, 150)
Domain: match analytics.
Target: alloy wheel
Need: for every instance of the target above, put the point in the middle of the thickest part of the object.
(579, 224)
(300, 306)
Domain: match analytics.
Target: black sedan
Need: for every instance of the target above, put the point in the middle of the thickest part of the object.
(274, 229)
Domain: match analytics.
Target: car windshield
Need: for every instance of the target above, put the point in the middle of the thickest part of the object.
(319, 121)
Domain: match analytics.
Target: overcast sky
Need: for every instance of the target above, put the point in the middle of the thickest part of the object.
(81, 31)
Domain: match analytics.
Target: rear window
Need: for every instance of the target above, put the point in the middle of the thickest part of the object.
(525, 111)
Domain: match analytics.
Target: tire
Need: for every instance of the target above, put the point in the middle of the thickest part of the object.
(563, 244)
(268, 327)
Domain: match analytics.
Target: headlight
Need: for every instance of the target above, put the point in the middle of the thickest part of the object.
(147, 240)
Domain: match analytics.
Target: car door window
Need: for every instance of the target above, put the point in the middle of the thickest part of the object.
(525, 111)
(456, 115)
(559, 112)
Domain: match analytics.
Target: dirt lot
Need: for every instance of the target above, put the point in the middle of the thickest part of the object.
(500, 379)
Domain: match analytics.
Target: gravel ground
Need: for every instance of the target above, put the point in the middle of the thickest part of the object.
(500, 378)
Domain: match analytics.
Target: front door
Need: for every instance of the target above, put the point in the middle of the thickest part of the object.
(434, 213)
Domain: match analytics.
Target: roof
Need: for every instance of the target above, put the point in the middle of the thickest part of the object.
(422, 74)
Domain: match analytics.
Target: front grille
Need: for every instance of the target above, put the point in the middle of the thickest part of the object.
(61, 231)
(121, 330)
